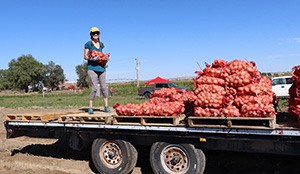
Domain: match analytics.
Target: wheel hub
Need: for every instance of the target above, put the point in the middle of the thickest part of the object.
(174, 159)
(111, 154)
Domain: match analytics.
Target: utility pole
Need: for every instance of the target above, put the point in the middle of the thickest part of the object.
(137, 71)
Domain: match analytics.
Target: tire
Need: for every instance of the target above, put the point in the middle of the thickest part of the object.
(147, 95)
(166, 158)
(113, 156)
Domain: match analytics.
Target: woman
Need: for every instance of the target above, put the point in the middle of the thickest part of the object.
(96, 70)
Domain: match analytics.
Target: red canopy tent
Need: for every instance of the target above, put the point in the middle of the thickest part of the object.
(157, 80)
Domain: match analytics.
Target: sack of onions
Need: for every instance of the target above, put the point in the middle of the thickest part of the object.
(188, 96)
(264, 81)
(176, 97)
(254, 89)
(294, 110)
(219, 63)
(294, 95)
(156, 100)
(128, 109)
(206, 112)
(168, 109)
(257, 110)
(230, 111)
(210, 88)
(296, 75)
(209, 100)
(239, 65)
(164, 92)
(238, 79)
(183, 97)
(215, 72)
(144, 108)
(245, 99)
(209, 80)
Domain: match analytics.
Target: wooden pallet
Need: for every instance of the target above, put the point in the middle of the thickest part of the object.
(85, 119)
(36, 117)
(21, 117)
(149, 120)
(233, 122)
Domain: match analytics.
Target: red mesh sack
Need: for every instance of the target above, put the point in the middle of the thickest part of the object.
(294, 110)
(146, 108)
(215, 72)
(209, 100)
(156, 100)
(263, 87)
(209, 80)
(239, 79)
(176, 97)
(296, 75)
(98, 57)
(168, 109)
(219, 63)
(246, 99)
(210, 88)
(164, 92)
(188, 96)
(257, 110)
(230, 111)
(294, 93)
(239, 65)
(183, 97)
(128, 109)
(206, 112)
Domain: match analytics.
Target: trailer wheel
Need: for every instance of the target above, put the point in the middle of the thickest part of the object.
(113, 156)
(176, 158)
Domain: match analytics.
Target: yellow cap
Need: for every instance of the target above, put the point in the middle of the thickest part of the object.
(94, 29)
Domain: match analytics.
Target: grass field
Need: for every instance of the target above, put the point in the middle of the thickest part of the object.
(63, 99)
(123, 93)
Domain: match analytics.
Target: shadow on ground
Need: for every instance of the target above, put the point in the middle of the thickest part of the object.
(221, 162)
(60, 149)
(217, 162)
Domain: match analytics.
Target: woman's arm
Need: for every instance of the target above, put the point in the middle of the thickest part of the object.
(86, 51)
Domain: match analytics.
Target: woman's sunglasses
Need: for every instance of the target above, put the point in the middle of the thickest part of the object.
(97, 32)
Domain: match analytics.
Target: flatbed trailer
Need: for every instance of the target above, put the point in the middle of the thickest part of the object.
(176, 142)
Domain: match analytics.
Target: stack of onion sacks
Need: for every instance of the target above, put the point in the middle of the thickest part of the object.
(212, 95)
(294, 91)
(254, 91)
(164, 102)
(233, 89)
(150, 109)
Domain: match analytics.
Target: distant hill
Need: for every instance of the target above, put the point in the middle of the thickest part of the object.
(275, 74)
(267, 74)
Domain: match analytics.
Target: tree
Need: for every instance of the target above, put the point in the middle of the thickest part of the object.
(25, 71)
(54, 75)
(4, 82)
(81, 71)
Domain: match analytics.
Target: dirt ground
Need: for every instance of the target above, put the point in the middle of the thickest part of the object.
(26, 155)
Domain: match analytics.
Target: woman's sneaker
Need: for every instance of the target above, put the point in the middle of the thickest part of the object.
(91, 111)
(107, 109)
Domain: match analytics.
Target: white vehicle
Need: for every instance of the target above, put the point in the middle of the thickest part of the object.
(281, 86)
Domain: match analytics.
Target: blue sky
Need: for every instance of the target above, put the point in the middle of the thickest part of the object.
(168, 36)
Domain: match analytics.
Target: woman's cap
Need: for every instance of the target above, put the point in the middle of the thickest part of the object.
(94, 29)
